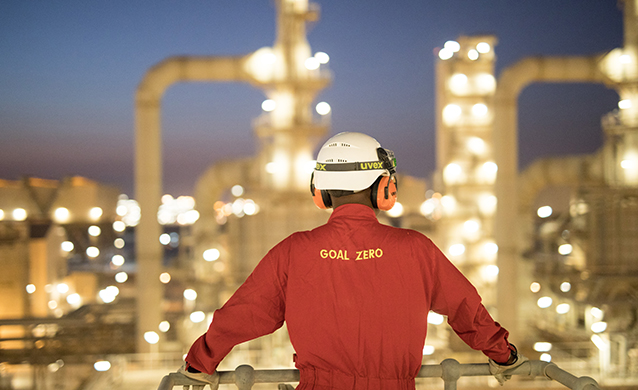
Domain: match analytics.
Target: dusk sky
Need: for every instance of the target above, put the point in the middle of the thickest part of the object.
(69, 70)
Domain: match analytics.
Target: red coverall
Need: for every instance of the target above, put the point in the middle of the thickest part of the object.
(355, 296)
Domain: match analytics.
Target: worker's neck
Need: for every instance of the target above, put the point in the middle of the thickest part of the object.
(362, 197)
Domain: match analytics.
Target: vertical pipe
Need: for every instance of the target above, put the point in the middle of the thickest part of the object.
(451, 372)
(511, 82)
(148, 187)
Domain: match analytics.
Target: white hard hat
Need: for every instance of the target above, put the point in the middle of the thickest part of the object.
(351, 161)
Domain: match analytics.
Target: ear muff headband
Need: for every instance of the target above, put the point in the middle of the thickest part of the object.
(321, 198)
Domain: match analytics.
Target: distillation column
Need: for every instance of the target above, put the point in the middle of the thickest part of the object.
(465, 90)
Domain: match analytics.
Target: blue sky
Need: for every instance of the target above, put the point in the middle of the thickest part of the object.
(69, 69)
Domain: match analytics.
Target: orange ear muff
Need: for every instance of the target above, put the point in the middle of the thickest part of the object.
(321, 198)
(384, 193)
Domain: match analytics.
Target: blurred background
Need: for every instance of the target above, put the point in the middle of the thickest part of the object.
(152, 153)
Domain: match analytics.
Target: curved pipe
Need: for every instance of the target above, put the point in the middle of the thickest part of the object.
(148, 168)
(510, 84)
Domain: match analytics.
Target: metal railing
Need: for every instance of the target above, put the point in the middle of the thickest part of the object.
(449, 370)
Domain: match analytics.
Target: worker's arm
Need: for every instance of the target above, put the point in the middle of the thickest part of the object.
(257, 308)
(454, 296)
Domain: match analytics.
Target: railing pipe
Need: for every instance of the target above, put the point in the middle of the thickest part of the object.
(449, 370)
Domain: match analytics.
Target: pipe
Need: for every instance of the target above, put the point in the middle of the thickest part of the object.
(511, 82)
(148, 169)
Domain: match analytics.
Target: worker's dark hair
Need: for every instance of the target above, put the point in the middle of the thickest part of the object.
(340, 193)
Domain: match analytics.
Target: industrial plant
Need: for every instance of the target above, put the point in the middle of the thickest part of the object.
(103, 290)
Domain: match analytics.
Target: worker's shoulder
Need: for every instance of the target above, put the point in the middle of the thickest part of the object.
(408, 234)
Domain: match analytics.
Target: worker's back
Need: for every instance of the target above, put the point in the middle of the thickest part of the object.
(357, 299)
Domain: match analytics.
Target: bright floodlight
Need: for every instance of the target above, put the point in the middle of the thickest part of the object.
(490, 248)
(119, 226)
(476, 145)
(19, 214)
(62, 288)
(451, 113)
(544, 302)
(268, 105)
(151, 337)
(435, 318)
(74, 299)
(565, 249)
(121, 277)
(165, 277)
(546, 357)
(544, 211)
(67, 246)
(61, 215)
(563, 308)
(119, 243)
(473, 55)
(322, 57)
(596, 313)
(30, 288)
(454, 46)
(457, 250)
(535, 287)
(237, 190)
(94, 231)
(624, 104)
(92, 252)
(542, 346)
(102, 365)
(565, 286)
(197, 316)
(483, 47)
(323, 108)
(95, 213)
(165, 238)
(599, 327)
(190, 294)
(479, 109)
(396, 210)
(1, 214)
(117, 260)
(312, 63)
(471, 226)
(445, 54)
(428, 350)
(164, 326)
(211, 254)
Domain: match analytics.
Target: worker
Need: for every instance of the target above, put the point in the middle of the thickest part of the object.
(355, 294)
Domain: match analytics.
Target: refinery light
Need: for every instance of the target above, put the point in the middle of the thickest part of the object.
(542, 346)
(435, 318)
(211, 254)
(102, 365)
(190, 294)
(544, 302)
(323, 108)
(151, 337)
(599, 327)
(544, 211)
(268, 105)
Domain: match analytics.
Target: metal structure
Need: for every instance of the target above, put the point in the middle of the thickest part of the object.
(283, 73)
(450, 371)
